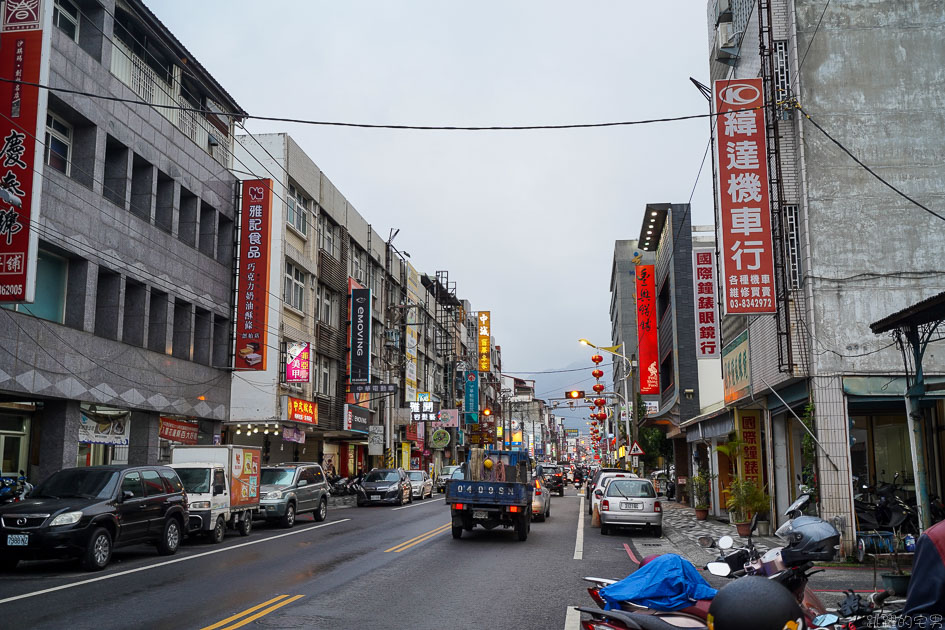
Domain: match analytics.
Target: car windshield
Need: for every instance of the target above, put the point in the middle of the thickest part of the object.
(88, 483)
(196, 480)
(415, 475)
(457, 474)
(631, 489)
(276, 476)
(382, 475)
(448, 470)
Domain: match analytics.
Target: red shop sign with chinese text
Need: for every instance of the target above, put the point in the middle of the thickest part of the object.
(744, 204)
(646, 330)
(178, 430)
(252, 300)
(703, 287)
(21, 43)
(302, 411)
(750, 435)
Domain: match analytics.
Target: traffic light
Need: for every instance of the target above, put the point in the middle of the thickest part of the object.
(487, 412)
(574, 394)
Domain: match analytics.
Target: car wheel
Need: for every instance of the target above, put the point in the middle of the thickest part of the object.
(410, 500)
(215, 536)
(658, 531)
(170, 539)
(8, 564)
(246, 524)
(604, 530)
(289, 519)
(457, 531)
(548, 511)
(522, 527)
(98, 551)
(322, 510)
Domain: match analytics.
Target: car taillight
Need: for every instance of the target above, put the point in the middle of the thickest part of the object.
(604, 505)
(657, 507)
(537, 491)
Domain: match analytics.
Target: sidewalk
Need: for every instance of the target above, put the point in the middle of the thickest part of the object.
(680, 526)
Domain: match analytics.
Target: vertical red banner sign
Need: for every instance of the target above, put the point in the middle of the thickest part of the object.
(648, 346)
(252, 300)
(744, 203)
(21, 44)
(750, 435)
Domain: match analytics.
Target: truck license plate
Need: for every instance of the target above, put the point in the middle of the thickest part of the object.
(375, 497)
(18, 540)
(480, 514)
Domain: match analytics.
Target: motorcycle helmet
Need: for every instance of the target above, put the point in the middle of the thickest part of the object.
(757, 603)
(808, 538)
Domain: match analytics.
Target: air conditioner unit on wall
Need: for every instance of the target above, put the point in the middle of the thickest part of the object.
(726, 37)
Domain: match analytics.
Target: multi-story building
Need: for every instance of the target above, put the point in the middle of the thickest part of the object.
(321, 248)
(126, 346)
(832, 87)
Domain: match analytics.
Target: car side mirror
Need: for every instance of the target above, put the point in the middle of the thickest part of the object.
(598, 493)
(127, 494)
(218, 489)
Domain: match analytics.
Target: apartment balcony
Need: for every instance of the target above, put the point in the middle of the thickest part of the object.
(132, 70)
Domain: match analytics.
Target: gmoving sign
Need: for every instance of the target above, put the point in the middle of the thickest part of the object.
(360, 337)
(648, 346)
(744, 204)
(252, 300)
(357, 418)
(22, 126)
(703, 288)
(485, 334)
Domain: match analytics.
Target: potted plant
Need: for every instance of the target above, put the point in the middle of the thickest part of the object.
(700, 491)
(897, 581)
(745, 498)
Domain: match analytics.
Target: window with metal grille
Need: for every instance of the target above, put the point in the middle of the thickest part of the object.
(782, 77)
(793, 250)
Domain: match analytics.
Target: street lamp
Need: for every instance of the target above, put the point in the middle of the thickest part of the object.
(629, 428)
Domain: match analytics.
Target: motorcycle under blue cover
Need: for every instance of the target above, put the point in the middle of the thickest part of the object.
(668, 582)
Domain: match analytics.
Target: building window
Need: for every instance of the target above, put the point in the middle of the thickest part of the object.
(297, 212)
(326, 303)
(294, 292)
(793, 251)
(357, 267)
(50, 302)
(66, 18)
(58, 143)
(324, 380)
(326, 234)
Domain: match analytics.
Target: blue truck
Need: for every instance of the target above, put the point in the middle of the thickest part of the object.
(478, 499)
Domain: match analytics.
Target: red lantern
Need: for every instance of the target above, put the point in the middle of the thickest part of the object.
(600, 402)
(598, 388)
(597, 358)
(597, 373)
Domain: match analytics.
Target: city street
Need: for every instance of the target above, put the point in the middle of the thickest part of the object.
(378, 567)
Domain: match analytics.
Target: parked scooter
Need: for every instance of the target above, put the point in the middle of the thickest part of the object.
(14, 489)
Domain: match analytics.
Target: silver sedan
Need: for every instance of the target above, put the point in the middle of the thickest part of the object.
(541, 501)
(630, 502)
(421, 486)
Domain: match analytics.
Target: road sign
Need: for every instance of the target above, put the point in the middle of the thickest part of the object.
(636, 450)
(635, 461)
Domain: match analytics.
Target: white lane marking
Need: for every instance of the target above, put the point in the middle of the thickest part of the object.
(404, 507)
(572, 621)
(164, 564)
(579, 541)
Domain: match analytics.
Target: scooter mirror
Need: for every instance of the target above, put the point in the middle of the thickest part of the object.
(720, 569)
(706, 541)
(825, 620)
(726, 542)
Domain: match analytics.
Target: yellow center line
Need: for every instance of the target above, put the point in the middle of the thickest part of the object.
(245, 612)
(264, 612)
(418, 539)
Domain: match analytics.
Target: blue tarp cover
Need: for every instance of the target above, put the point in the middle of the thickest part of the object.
(668, 582)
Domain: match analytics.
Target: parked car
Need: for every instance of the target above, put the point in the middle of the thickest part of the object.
(602, 480)
(386, 485)
(443, 477)
(630, 502)
(541, 500)
(86, 512)
(421, 486)
(287, 490)
(592, 482)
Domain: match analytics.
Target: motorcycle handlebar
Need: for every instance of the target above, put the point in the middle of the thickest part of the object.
(877, 599)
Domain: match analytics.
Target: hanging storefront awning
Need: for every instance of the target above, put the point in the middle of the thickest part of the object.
(709, 425)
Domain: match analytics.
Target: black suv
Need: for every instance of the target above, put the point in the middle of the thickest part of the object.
(85, 512)
(554, 477)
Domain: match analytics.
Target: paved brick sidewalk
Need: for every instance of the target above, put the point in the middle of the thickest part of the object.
(679, 523)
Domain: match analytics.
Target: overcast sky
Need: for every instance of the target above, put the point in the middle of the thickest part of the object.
(523, 221)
